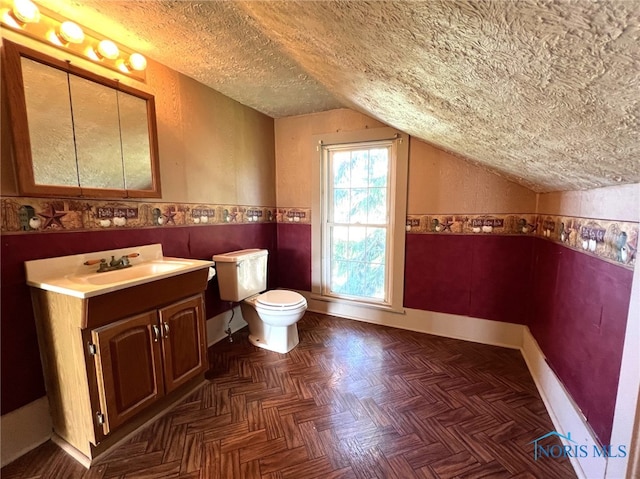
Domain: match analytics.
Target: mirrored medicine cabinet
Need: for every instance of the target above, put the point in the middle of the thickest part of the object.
(78, 134)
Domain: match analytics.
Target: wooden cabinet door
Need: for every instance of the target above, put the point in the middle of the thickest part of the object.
(128, 367)
(184, 349)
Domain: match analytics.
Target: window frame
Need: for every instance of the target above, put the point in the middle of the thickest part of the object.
(397, 190)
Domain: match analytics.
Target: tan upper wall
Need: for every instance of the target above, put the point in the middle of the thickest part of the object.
(438, 181)
(613, 203)
(295, 155)
(441, 183)
(212, 149)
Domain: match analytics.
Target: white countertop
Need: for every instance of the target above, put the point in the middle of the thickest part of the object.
(69, 275)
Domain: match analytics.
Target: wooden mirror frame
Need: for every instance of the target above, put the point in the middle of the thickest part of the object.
(11, 55)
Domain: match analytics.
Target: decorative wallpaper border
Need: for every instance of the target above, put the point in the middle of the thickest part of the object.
(39, 215)
(614, 241)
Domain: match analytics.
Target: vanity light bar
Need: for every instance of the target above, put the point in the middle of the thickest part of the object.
(46, 26)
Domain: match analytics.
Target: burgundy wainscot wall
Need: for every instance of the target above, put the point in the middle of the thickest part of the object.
(580, 306)
(22, 380)
(576, 305)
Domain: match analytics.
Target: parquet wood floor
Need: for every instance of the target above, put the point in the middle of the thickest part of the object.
(352, 400)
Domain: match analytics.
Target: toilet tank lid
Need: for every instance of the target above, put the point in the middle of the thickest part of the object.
(241, 255)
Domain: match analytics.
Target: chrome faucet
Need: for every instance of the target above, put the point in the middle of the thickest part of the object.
(112, 265)
(119, 263)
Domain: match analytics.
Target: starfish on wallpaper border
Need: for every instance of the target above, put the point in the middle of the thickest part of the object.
(52, 217)
(169, 215)
(447, 225)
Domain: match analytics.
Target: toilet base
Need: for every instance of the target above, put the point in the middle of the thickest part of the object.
(279, 339)
(284, 343)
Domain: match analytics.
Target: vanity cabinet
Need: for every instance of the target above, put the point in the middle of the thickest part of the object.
(144, 357)
(113, 361)
(128, 367)
(180, 330)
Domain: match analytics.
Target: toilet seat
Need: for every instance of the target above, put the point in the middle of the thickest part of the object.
(280, 300)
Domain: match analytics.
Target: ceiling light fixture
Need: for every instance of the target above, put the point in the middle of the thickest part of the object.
(26, 18)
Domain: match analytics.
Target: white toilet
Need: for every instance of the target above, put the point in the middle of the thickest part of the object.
(272, 315)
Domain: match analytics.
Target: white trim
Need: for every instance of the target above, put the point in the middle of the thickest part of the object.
(627, 415)
(217, 325)
(565, 414)
(398, 195)
(24, 429)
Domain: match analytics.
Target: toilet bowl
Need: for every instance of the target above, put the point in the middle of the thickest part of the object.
(272, 318)
(271, 315)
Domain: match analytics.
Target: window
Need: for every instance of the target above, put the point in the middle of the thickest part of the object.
(356, 221)
(358, 237)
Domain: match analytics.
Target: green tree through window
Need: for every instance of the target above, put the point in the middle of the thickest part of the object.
(357, 221)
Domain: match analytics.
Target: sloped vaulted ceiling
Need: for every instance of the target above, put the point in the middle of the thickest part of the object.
(544, 92)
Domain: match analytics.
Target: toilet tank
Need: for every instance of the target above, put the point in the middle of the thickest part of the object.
(241, 273)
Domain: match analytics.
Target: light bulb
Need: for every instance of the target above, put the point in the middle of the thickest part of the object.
(26, 11)
(70, 33)
(137, 62)
(108, 49)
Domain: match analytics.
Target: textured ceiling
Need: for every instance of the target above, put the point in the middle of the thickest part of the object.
(543, 92)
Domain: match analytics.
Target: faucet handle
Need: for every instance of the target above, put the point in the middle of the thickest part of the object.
(91, 262)
(103, 266)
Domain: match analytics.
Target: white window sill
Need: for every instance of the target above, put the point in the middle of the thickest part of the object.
(353, 303)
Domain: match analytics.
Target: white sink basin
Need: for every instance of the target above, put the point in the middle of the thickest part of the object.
(138, 271)
(69, 274)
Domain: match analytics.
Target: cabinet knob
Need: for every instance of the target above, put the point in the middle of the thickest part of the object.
(166, 329)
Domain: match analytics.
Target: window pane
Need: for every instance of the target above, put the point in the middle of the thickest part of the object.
(376, 245)
(340, 242)
(353, 278)
(341, 169)
(378, 167)
(357, 282)
(374, 281)
(377, 206)
(359, 204)
(357, 243)
(339, 276)
(359, 168)
(341, 205)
